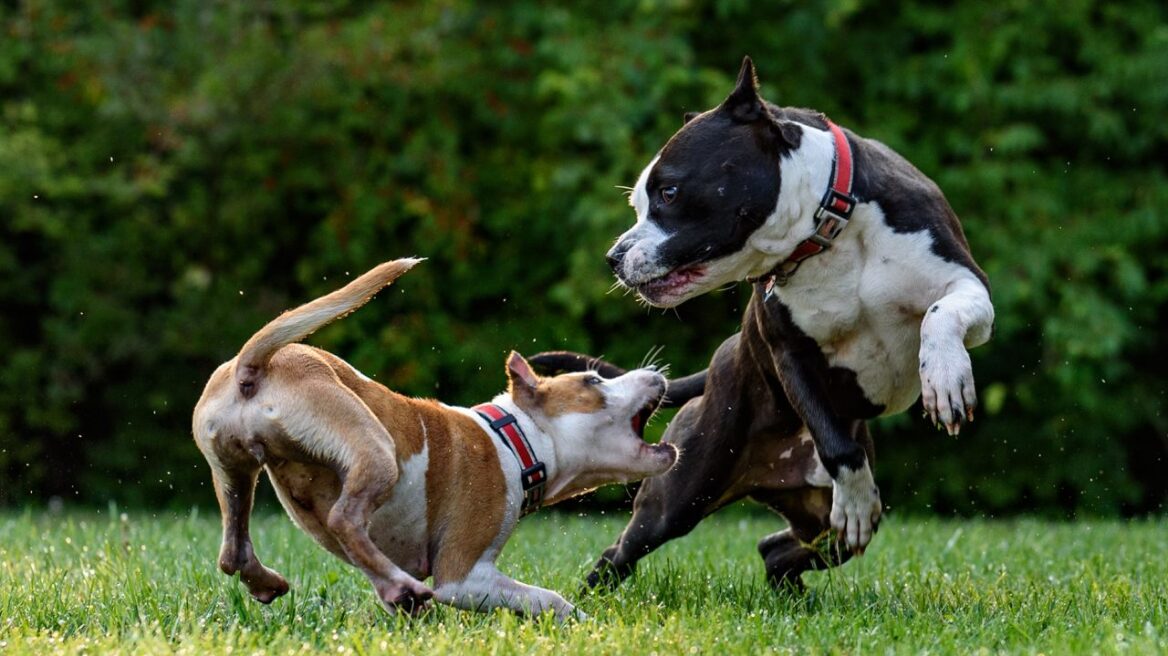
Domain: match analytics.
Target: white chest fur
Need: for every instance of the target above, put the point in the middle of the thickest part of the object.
(863, 301)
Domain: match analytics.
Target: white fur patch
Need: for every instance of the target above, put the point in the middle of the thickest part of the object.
(399, 527)
(486, 588)
(639, 199)
(356, 371)
(640, 260)
(855, 506)
(863, 301)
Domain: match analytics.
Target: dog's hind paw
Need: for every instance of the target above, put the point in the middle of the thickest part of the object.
(263, 584)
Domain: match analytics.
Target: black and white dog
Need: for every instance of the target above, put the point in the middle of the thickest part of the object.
(865, 297)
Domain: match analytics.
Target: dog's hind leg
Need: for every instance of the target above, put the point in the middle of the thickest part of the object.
(330, 419)
(806, 544)
(235, 461)
(234, 475)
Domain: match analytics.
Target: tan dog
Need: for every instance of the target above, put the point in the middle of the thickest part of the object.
(405, 488)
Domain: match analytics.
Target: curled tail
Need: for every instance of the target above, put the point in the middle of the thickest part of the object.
(294, 325)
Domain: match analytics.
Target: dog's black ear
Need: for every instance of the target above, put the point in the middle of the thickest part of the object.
(744, 103)
(688, 116)
(521, 380)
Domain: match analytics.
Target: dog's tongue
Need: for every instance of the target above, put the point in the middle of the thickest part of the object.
(638, 424)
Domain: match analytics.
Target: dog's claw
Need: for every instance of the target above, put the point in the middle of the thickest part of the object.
(947, 390)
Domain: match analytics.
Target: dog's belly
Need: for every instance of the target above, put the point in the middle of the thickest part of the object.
(399, 527)
(775, 463)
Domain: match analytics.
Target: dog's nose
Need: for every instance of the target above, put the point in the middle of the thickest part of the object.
(616, 254)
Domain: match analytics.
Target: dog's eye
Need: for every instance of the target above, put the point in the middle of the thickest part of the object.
(668, 194)
(593, 380)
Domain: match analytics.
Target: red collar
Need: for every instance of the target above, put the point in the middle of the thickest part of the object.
(533, 473)
(830, 218)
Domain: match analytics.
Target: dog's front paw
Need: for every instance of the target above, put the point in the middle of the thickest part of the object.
(947, 389)
(569, 613)
(855, 507)
(405, 595)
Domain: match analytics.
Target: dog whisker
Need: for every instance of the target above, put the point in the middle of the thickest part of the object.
(652, 359)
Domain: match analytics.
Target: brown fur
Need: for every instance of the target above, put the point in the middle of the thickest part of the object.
(567, 394)
(466, 518)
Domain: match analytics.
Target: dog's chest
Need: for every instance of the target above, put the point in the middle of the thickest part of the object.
(863, 301)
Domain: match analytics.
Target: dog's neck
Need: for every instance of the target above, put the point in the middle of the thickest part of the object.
(565, 478)
(805, 174)
(542, 444)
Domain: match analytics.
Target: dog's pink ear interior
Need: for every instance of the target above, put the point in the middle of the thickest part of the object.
(520, 375)
(744, 103)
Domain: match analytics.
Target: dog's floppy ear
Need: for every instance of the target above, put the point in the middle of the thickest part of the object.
(689, 116)
(744, 103)
(521, 380)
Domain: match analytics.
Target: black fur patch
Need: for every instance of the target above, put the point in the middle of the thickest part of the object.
(727, 179)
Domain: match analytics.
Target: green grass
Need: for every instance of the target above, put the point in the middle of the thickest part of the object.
(142, 583)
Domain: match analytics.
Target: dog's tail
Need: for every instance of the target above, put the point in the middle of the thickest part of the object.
(678, 392)
(294, 325)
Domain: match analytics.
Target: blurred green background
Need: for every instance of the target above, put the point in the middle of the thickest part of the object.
(174, 174)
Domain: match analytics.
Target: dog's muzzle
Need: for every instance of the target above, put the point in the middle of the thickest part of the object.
(616, 255)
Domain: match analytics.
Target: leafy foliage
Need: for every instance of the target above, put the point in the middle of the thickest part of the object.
(172, 175)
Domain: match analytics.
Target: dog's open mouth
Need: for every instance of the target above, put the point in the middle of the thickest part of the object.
(671, 283)
(641, 418)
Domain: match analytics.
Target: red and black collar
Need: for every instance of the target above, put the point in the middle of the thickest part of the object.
(833, 213)
(533, 473)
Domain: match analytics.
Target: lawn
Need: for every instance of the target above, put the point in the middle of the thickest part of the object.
(136, 582)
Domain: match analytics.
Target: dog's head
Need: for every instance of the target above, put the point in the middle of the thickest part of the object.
(596, 424)
(703, 200)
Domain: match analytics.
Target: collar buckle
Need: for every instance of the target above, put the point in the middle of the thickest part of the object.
(832, 216)
(534, 480)
(532, 477)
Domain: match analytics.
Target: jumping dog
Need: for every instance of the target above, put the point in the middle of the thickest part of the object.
(865, 297)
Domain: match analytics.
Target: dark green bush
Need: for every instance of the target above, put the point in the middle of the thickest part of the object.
(173, 175)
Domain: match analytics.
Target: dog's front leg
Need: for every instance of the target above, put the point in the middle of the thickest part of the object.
(961, 319)
(855, 501)
(486, 588)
